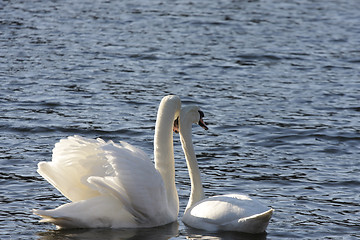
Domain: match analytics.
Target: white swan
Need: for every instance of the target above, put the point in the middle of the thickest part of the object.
(232, 212)
(115, 185)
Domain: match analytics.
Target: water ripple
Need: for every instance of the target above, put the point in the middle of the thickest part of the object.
(278, 83)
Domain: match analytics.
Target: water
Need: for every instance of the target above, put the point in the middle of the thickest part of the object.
(278, 81)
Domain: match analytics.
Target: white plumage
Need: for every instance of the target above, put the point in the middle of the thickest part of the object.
(115, 184)
(232, 212)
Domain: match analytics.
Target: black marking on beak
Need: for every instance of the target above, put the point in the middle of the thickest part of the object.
(201, 122)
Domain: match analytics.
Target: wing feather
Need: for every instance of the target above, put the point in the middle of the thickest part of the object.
(85, 169)
(138, 177)
(75, 159)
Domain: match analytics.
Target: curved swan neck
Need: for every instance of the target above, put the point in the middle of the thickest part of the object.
(197, 191)
(169, 109)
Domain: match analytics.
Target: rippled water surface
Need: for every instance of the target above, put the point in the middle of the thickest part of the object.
(279, 82)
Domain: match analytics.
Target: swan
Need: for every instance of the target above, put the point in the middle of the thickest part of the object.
(115, 185)
(231, 212)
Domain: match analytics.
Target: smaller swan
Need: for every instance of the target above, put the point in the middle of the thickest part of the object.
(231, 212)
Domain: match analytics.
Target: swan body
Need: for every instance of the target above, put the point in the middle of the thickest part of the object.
(115, 185)
(231, 212)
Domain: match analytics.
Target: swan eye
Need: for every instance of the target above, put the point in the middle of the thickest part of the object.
(176, 126)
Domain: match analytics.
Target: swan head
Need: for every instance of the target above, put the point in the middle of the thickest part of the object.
(192, 114)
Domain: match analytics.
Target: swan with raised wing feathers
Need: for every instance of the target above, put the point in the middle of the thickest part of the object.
(115, 185)
(231, 212)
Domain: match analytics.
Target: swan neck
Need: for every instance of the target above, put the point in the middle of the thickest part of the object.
(197, 191)
(169, 108)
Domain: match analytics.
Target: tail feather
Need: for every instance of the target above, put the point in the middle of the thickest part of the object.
(256, 223)
(59, 221)
(101, 211)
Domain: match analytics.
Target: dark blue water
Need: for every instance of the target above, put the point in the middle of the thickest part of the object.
(278, 81)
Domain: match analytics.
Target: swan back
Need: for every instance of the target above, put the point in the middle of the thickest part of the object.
(232, 212)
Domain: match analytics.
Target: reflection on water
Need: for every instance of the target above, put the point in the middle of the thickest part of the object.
(158, 233)
(195, 234)
(164, 232)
